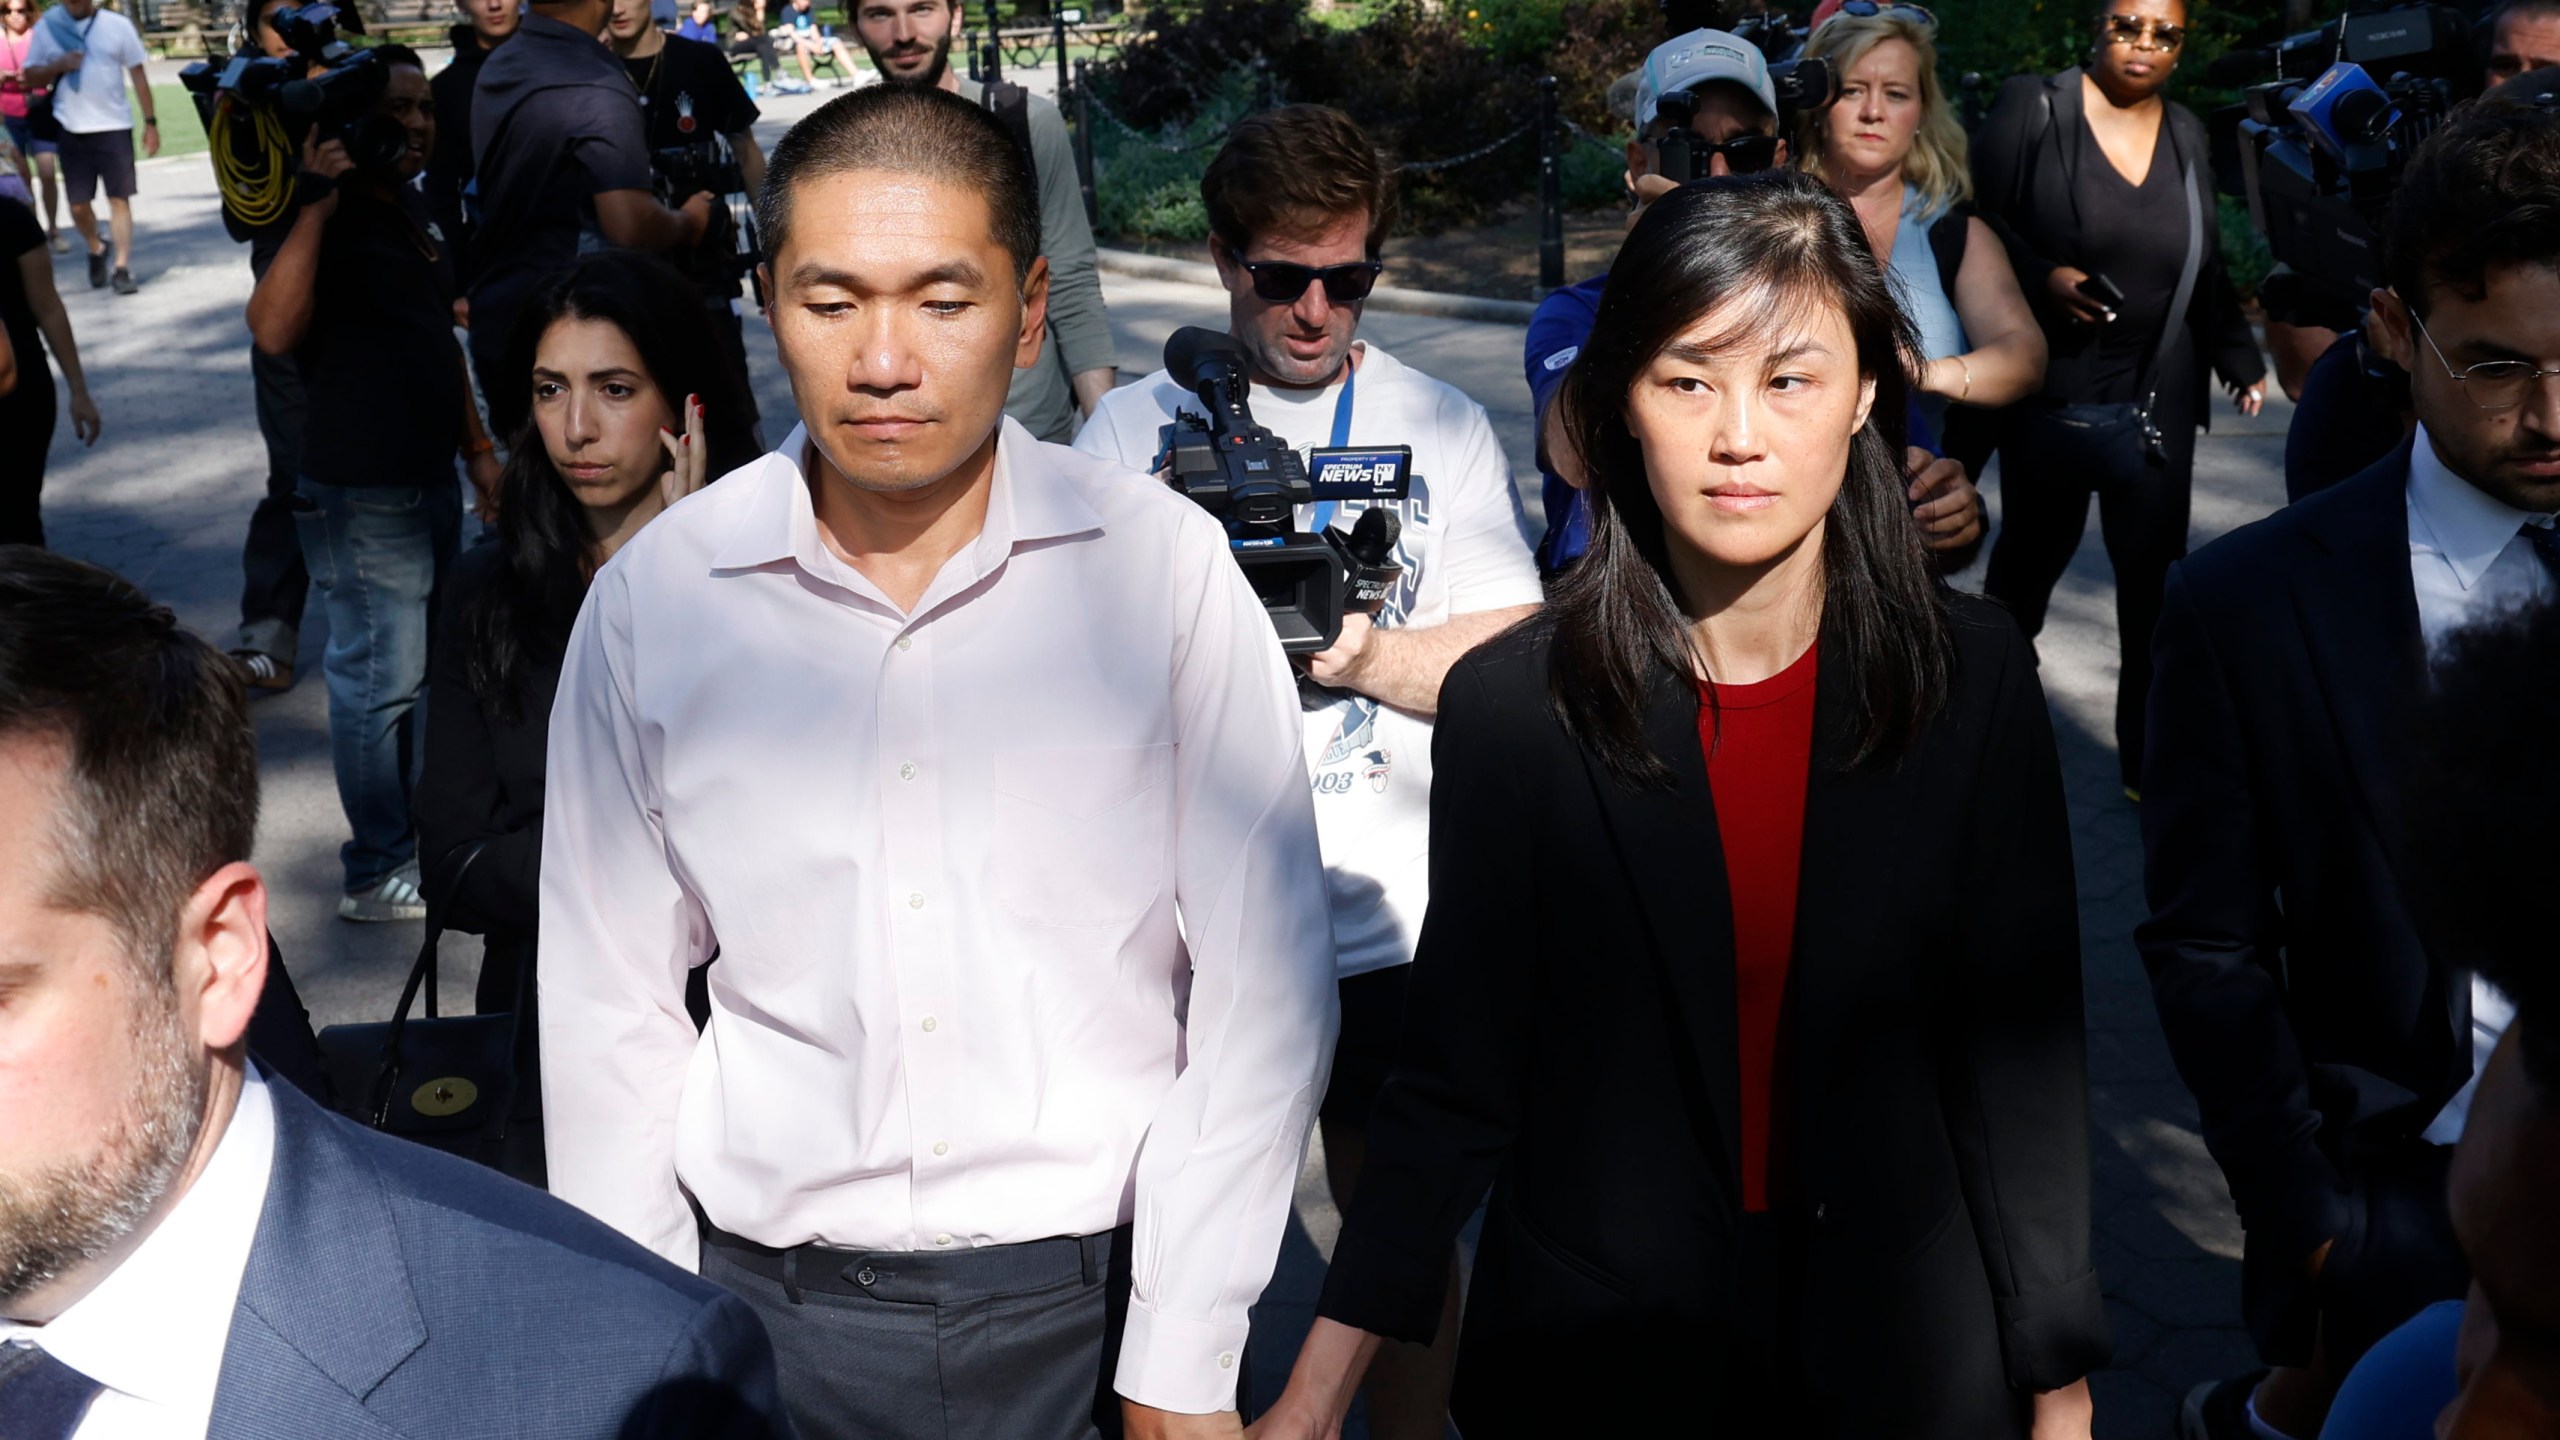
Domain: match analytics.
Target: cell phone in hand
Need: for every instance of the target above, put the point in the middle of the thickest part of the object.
(2103, 290)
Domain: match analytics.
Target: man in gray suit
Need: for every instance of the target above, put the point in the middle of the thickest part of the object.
(188, 1249)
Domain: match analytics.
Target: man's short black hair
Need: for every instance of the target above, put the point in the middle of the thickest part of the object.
(2482, 193)
(913, 130)
(392, 52)
(2485, 810)
(162, 788)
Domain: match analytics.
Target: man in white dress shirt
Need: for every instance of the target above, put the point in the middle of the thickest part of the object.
(189, 1247)
(976, 761)
(1298, 201)
(2305, 985)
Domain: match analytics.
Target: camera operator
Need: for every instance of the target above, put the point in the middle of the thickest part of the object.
(1298, 202)
(2329, 1034)
(563, 162)
(274, 581)
(1722, 83)
(688, 95)
(909, 42)
(361, 295)
(486, 25)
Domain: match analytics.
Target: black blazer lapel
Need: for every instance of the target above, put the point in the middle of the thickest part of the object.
(1668, 847)
(2359, 618)
(326, 1310)
(1849, 821)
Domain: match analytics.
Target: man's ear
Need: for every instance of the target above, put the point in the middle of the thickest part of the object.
(220, 958)
(1035, 314)
(2391, 332)
(1781, 162)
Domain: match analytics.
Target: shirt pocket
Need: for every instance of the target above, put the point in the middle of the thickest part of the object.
(1082, 834)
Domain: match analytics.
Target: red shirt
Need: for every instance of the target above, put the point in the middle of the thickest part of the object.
(1759, 745)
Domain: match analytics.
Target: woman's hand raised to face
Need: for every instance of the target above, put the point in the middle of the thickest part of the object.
(690, 454)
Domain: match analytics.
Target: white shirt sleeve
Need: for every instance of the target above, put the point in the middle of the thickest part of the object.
(618, 934)
(1220, 1163)
(125, 48)
(40, 47)
(1485, 548)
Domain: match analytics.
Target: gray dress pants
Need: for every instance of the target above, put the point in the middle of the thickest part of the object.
(1009, 1342)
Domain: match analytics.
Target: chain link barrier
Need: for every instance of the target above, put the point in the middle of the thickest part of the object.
(1428, 167)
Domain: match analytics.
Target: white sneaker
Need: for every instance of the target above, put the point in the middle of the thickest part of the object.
(395, 897)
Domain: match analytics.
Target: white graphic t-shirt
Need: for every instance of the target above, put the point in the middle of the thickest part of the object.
(1464, 549)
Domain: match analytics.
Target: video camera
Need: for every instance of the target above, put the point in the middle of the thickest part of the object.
(1253, 482)
(1801, 84)
(257, 110)
(730, 248)
(2321, 148)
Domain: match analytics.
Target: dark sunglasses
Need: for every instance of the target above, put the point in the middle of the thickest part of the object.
(2130, 30)
(1866, 8)
(1282, 282)
(1743, 154)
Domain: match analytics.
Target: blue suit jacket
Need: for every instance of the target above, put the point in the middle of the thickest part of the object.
(394, 1291)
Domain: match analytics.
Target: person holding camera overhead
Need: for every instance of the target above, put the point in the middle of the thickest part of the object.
(1891, 145)
(87, 54)
(562, 160)
(2102, 190)
(361, 295)
(976, 761)
(1299, 201)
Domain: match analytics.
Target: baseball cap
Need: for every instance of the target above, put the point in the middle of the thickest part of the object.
(1701, 57)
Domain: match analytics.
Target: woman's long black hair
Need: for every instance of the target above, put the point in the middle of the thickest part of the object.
(1772, 245)
(527, 608)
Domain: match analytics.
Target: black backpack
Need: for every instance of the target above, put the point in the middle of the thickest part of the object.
(1011, 105)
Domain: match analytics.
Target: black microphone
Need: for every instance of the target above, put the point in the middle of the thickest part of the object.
(1370, 564)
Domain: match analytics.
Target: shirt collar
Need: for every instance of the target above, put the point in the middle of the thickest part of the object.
(2469, 526)
(156, 1326)
(1034, 496)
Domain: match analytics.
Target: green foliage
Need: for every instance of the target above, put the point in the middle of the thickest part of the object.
(1595, 178)
(2244, 250)
(1518, 32)
(1143, 189)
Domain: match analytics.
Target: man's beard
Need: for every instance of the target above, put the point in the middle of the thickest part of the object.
(933, 73)
(60, 1218)
(2488, 468)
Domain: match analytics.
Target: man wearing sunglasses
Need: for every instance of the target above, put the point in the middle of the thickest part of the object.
(1703, 106)
(2304, 980)
(1299, 201)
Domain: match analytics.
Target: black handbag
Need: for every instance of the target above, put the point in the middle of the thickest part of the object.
(445, 1081)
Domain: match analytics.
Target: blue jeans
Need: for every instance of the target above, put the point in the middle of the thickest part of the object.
(376, 554)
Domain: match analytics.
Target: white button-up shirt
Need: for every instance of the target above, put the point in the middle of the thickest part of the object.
(2471, 564)
(951, 859)
(153, 1331)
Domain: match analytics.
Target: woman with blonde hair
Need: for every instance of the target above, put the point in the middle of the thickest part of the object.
(1892, 147)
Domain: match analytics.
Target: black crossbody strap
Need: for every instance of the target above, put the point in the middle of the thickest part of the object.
(421, 975)
(2187, 276)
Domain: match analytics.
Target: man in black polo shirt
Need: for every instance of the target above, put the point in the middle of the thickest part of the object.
(486, 25)
(691, 100)
(563, 165)
(361, 295)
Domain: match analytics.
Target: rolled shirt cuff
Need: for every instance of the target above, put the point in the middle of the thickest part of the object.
(2054, 1336)
(1189, 1367)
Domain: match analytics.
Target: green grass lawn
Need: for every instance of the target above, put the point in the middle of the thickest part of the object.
(181, 133)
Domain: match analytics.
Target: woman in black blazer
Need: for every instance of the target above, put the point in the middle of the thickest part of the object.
(2092, 178)
(630, 410)
(1757, 1168)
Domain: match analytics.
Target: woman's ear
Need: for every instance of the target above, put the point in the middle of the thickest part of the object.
(1866, 403)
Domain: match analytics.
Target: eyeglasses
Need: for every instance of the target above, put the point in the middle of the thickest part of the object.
(2491, 384)
(1282, 282)
(1867, 9)
(2131, 30)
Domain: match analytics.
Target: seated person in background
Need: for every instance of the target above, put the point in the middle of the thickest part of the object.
(749, 35)
(699, 25)
(186, 1246)
(1723, 85)
(631, 412)
(361, 295)
(2486, 807)
(812, 42)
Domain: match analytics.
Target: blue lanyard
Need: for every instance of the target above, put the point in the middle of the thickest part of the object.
(1341, 436)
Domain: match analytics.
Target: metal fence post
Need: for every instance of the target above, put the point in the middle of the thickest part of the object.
(1550, 190)
(993, 70)
(1058, 34)
(969, 48)
(1084, 141)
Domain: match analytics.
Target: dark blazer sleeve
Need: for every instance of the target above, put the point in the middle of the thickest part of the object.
(458, 801)
(2017, 1102)
(1450, 1106)
(2214, 941)
(718, 1383)
(2003, 148)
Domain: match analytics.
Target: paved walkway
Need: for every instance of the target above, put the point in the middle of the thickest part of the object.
(165, 498)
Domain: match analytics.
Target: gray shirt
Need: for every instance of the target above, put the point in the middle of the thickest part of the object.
(1079, 328)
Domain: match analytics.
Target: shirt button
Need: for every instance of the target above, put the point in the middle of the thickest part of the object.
(941, 1239)
(1227, 1360)
(866, 1276)
(941, 1147)
(907, 771)
(906, 642)
(915, 902)
(929, 1024)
